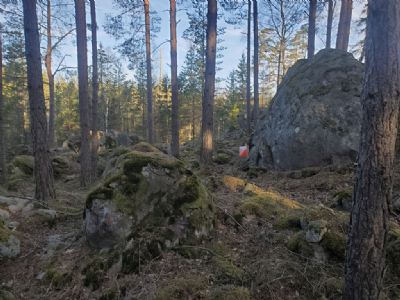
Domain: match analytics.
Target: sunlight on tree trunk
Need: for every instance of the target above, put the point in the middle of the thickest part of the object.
(209, 86)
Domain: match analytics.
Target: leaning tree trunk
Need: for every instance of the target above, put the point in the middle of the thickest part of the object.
(43, 170)
(50, 77)
(174, 82)
(329, 24)
(149, 87)
(343, 34)
(248, 62)
(256, 65)
(312, 16)
(84, 155)
(95, 91)
(207, 125)
(3, 170)
(365, 259)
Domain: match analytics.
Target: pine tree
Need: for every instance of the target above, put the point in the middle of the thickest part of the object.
(369, 225)
(343, 34)
(209, 85)
(42, 169)
(84, 155)
(174, 82)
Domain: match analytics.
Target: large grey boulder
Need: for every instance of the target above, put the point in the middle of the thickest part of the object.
(314, 119)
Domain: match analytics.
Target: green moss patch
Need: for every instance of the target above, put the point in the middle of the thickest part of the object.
(188, 287)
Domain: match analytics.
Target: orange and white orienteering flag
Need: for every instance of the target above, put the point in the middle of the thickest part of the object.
(244, 151)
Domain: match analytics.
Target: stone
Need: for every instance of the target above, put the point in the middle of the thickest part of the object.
(314, 119)
(4, 216)
(316, 231)
(151, 196)
(46, 214)
(6, 295)
(9, 244)
(222, 158)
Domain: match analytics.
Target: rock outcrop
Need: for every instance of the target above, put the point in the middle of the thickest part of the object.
(314, 119)
(151, 196)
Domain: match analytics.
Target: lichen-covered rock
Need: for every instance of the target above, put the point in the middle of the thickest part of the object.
(316, 231)
(314, 119)
(148, 196)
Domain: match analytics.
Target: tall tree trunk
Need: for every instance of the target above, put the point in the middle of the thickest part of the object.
(256, 62)
(365, 260)
(343, 34)
(43, 170)
(84, 155)
(207, 125)
(150, 130)
(95, 91)
(50, 77)
(329, 24)
(312, 16)
(193, 119)
(3, 170)
(248, 88)
(278, 76)
(174, 82)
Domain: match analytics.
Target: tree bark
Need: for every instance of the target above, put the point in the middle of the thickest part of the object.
(174, 82)
(50, 77)
(43, 171)
(312, 16)
(150, 130)
(3, 169)
(207, 126)
(329, 24)
(256, 63)
(248, 88)
(365, 259)
(343, 35)
(81, 36)
(95, 91)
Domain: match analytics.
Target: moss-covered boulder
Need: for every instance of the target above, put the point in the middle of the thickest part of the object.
(149, 197)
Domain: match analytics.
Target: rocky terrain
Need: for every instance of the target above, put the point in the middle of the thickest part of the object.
(155, 227)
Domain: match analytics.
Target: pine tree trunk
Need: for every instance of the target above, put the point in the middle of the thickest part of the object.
(84, 155)
(207, 126)
(329, 24)
(50, 77)
(256, 65)
(3, 169)
(174, 82)
(248, 88)
(312, 15)
(343, 35)
(150, 130)
(365, 260)
(43, 171)
(95, 91)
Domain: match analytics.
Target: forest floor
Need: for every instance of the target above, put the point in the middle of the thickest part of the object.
(246, 257)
